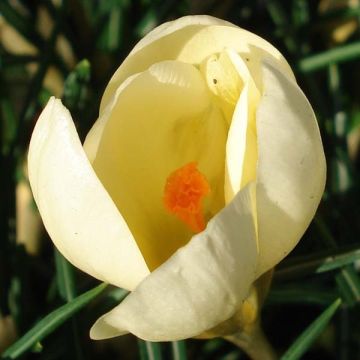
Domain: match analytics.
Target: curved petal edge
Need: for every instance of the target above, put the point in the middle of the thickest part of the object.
(201, 285)
(78, 213)
(291, 169)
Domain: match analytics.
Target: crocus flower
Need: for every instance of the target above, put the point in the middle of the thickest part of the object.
(202, 172)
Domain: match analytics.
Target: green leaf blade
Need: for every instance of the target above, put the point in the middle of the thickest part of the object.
(149, 350)
(50, 322)
(179, 350)
(65, 277)
(305, 340)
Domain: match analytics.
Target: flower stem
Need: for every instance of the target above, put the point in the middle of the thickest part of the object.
(254, 343)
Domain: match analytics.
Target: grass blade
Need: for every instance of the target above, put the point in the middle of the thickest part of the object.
(348, 284)
(64, 277)
(337, 55)
(67, 290)
(149, 350)
(337, 261)
(179, 350)
(50, 322)
(317, 263)
(304, 341)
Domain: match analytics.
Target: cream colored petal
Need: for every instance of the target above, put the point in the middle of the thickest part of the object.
(161, 121)
(192, 39)
(250, 47)
(78, 214)
(236, 146)
(176, 25)
(201, 285)
(93, 137)
(291, 169)
(224, 81)
(241, 146)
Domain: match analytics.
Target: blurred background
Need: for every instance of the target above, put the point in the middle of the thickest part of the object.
(70, 49)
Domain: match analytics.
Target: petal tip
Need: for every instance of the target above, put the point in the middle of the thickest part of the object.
(103, 330)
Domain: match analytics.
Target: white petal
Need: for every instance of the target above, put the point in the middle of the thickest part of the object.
(291, 167)
(236, 146)
(161, 121)
(241, 146)
(93, 137)
(201, 285)
(192, 39)
(78, 214)
(178, 24)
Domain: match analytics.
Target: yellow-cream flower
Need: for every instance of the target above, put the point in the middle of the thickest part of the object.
(202, 172)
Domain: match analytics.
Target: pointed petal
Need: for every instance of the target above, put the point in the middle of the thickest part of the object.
(201, 285)
(78, 214)
(241, 146)
(291, 167)
(236, 146)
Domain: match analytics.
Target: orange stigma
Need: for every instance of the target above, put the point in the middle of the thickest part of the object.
(184, 190)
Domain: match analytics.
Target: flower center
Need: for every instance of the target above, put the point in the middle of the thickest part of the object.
(184, 190)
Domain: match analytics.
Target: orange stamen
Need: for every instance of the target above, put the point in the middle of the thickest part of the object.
(184, 190)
